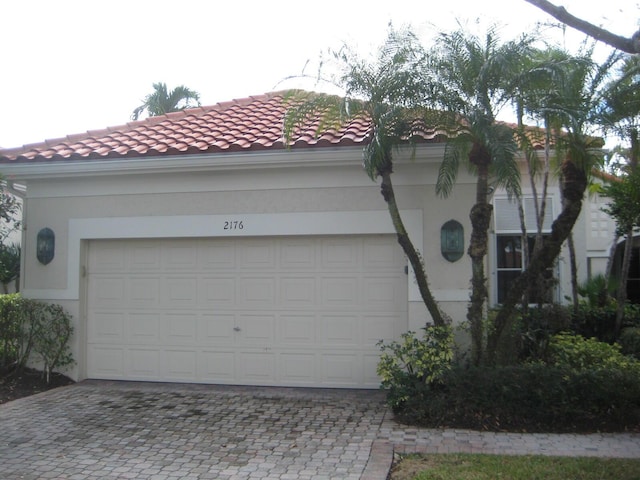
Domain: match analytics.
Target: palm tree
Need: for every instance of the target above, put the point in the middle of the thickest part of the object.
(388, 92)
(162, 101)
(472, 80)
(622, 114)
(575, 105)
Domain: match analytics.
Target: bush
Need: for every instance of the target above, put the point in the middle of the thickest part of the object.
(52, 331)
(413, 366)
(32, 330)
(630, 341)
(530, 398)
(579, 353)
(15, 331)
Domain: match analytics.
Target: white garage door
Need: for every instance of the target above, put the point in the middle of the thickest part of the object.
(293, 311)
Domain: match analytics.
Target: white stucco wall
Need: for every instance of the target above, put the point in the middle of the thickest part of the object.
(287, 193)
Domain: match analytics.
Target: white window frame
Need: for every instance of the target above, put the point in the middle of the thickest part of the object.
(506, 221)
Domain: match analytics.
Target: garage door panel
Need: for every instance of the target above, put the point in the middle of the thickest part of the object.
(265, 311)
(180, 292)
(256, 255)
(382, 253)
(370, 365)
(106, 362)
(257, 329)
(340, 369)
(298, 329)
(383, 292)
(340, 330)
(217, 365)
(216, 256)
(217, 329)
(143, 363)
(143, 328)
(144, 292)
(107, 291)
(178, 256)
(180, 365)
(340, 255)
(179, 328)
(299, 368)
(376, 327)
(297, 255)
(256, 367)
(340, 292)
(257, 292)
(217, 292)
(145, 257)
(298, 292)
(109, 327)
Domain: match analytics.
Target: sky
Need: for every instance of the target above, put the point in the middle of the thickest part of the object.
(70, 66)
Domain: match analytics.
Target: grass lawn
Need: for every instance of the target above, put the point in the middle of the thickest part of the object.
(508, 467)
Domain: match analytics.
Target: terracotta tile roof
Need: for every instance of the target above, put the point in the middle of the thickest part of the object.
(249, 124)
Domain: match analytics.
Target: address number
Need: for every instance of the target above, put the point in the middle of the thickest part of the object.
(233, 225)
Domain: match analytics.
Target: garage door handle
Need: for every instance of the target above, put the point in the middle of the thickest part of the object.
(236, 329)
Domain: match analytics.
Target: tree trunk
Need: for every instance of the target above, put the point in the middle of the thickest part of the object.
(621, 297)
(412, 254)
(573, 188)
(480, 217)
(574, 270)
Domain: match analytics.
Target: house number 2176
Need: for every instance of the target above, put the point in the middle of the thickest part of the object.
(233, 225)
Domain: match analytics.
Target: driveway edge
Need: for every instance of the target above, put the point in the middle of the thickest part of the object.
(380, 460)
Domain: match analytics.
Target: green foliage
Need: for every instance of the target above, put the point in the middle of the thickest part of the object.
(163, 101)
(625, 201)
(15, 333)
(413, 365)
(578, 353)
(533, 397)
(9, 264)
(598, 291)
(630, 341)
(32, 330)
(52, 332)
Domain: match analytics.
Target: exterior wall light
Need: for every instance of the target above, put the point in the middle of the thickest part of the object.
(45, 246)
(452, 240)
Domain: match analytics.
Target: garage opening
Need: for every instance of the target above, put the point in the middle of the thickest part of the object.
(285, 311)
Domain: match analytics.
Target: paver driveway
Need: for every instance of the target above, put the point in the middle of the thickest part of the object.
(166, 431)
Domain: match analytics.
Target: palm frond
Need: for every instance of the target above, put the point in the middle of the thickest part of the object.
(455, 150)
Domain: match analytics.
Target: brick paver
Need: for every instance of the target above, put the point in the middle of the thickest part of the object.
(146, 431)
(172, 432)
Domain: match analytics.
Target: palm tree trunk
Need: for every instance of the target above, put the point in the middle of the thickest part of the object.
(412, 254)
(573, 188)
(574, 270)
(480, 217)
(621, 297)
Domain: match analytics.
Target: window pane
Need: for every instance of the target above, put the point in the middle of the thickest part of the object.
(509, 251)
(505, 279)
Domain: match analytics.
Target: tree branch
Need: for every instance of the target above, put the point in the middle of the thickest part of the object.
(629, 45)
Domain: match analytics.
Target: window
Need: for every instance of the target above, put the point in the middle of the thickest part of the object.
(509, 258)
(510, 263)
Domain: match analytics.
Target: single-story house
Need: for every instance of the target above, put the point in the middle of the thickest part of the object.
(197, 247)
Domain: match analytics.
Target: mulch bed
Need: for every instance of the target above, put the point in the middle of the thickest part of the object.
(15, 385)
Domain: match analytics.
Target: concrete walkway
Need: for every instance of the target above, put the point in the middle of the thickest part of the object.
(124, 430)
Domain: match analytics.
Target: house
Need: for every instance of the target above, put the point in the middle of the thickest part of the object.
(196, 247)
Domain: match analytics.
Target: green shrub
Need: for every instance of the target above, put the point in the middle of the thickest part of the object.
(33, 330)
(52, 331)
(412, 366)
(15, 331)
(534, 397)
(630, 341)
(579, 353)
